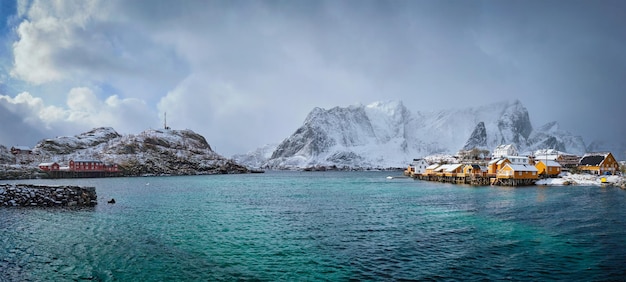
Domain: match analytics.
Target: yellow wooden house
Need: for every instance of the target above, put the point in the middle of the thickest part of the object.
(453, 170)
(598, 163)
(548, 168)
(430, 170)
(474, 169)
(517, 171)
(497, 164)
(409, 171)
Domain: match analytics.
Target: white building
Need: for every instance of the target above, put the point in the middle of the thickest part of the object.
(419, 166)
(517, 160)
(504, 151)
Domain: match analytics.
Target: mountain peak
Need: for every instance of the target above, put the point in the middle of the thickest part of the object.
(386, 134)
(478, 139)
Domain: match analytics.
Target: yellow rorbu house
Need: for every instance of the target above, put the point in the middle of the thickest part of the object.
(598, 163)
(430, 170)
(495, 165)
(474, 170)
(516, 174)
(548, 168)
(453, 170)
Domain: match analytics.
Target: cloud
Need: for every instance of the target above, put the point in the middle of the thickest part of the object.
(85, 42)
(245, 73)
(83, 111)
(217, 109)
(51, 28)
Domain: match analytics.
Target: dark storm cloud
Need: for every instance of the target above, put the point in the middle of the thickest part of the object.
(569, 57)
(217, 66)
(15, 132)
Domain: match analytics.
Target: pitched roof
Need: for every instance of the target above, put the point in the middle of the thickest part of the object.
(518, 167)
(442, 167)
(502, 161)
(453, 167)
(547, 157)
(87, 161)
(593, 159)
(549, 163)
(415, 161)
(432, 166)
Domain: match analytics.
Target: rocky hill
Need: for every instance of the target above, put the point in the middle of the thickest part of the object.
(383, 135)
(157, 152)
(5, 156)
(64, 145)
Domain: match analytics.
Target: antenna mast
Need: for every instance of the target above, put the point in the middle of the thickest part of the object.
(165, 121)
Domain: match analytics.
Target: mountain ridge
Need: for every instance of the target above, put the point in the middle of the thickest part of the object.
(387, 134)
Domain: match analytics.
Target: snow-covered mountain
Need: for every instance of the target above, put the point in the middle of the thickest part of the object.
(152, 151)
(382, 135)
(256, 158)
(552, 137)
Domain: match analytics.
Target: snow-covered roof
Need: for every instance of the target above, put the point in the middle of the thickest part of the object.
(46, 164)
(519, 167)
(546, 157)
(87, 161)
(442, 167)
(511, 158)
(453, 167)
(23, 148)
(432, 166)
(593, 159)
(550, 163)
(478, 167)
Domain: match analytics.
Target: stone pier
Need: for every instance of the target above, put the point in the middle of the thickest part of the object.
(30, 195)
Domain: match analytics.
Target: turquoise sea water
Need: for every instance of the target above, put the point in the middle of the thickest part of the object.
(308, 226)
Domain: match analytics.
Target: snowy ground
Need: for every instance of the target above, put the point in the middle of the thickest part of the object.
(583, 179)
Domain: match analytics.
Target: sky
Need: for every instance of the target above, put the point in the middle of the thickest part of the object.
(246, 73)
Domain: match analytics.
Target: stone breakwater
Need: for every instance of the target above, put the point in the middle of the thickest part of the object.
(27, 195)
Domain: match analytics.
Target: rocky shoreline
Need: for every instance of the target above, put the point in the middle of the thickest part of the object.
(29, 195)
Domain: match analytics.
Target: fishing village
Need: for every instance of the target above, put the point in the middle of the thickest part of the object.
(84, 168)
(505, 167)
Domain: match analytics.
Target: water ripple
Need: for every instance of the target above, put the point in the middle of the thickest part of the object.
(318, 226)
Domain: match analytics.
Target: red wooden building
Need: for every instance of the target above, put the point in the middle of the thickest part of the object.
(91, 165)
(49, 166)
